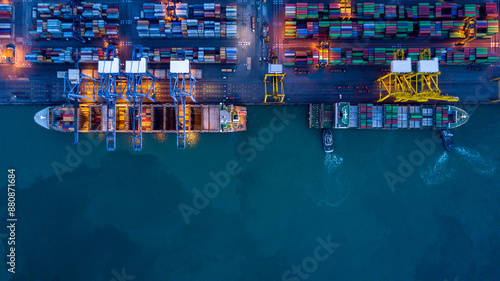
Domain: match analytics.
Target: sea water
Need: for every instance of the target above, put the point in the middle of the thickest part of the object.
(265, 204)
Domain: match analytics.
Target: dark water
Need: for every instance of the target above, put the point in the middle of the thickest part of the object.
(273, 206)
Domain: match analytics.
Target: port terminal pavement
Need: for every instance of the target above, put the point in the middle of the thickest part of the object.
(27, 83)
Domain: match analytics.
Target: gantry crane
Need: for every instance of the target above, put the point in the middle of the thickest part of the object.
(112, 87)
(140, 86)
(404, 85)
(182, 85)
(275, 76)
(469, 29)
(78, 86)
(77, 21)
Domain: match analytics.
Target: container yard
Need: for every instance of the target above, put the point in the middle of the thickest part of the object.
(369, 57)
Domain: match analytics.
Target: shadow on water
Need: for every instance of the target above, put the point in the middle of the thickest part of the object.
(479, 164)
(438, 172)
(331, 191)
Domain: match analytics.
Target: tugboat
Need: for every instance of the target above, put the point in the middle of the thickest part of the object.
(327, 141)
(447, 141)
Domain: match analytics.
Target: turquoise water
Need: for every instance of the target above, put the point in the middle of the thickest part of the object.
(272, 205)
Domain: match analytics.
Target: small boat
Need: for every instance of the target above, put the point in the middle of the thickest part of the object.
(327, 140)
(447, 141)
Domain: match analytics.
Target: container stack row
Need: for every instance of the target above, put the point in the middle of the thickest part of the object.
(370, 11)
(65, 55)
(99, 29)
(54, 21)
(365, 116)
(397, 116)
(152, 11)
(191, 28)
(64, 119)
(195, 55)
(383, 56)
(385, 29)
(50, 55)
(56, 29)
(389, 116)
(208, 20)
(146, 118)
(5, 21)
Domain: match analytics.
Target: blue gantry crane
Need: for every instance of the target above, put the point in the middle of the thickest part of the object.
(112, 87)
(182, 85)
(140, 86)
(78, 86)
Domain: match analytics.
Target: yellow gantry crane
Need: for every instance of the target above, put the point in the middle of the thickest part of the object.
(405, 85)
(469, 30)
(275, 76)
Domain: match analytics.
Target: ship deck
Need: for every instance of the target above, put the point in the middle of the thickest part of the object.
(156, 118)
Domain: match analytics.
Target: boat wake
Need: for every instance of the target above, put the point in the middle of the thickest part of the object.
(438, 172)
(332, 162)
(332, 192)
(480, 164)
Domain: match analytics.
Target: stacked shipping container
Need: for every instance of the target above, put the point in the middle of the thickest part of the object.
(195, 55)
(64, 55)
(208, 20)
(372, 11)
(369, 20)
(157, 55)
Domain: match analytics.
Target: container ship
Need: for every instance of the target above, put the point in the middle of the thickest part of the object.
(343, 115)
(156, 118)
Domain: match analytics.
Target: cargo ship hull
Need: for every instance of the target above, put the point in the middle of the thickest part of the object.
(156, 118)
(343, 115)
